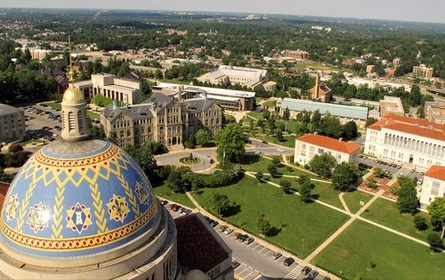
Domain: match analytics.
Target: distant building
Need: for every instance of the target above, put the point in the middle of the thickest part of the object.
(435, 111)
(406, 140)
(231, 75)
(124, 91)
(12, 123)
(309, 145)
(164, 119)
(233, 100)
(321, 92)
(344, 112)
(298, 54)
(370, 68)
(433, 185)
(391, 105)
(423, 72)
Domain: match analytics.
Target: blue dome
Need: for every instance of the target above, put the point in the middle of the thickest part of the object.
(77, 198)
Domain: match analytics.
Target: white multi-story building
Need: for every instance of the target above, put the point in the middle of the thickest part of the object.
(124, 91)
(309, 145)
(433, 185)
(12, 123)
(405, 140)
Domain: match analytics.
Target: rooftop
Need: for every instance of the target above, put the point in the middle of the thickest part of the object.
(437, 172)
(197, 247)
(329, 143)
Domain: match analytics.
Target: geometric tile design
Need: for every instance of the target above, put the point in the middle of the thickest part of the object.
(95, 201)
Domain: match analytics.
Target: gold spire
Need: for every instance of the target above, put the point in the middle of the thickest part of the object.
(72, 94)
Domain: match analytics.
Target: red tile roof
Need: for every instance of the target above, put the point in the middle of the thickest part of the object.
(197, 248)
(411, 126)
(437, 172)
(3, 190)
(330, 143)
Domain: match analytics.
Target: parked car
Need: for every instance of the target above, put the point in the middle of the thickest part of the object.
(237, 235)
(326, 278)
(164, 202)
(248, 240)
(228, 231)
(212, 161)
(288, 261)
(235, 264)
(305, 270)
(420, 181)
(312, 274)
(276, 255)
(264, 142)
(222, 228)
(281, 150)
(243, 237)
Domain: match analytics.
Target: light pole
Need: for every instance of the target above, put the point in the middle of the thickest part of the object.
(302, 249)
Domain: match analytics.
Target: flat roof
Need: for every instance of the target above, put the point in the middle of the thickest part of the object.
(209, 90)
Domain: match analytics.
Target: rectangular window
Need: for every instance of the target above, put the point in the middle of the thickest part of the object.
(435, 188)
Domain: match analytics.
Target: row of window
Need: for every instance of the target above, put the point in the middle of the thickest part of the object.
(415, 145)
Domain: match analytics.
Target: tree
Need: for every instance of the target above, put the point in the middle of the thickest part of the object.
(435, 241)
(220, 203)
(259, 175)
(350, 130)
(279, 135)
(437, 212)
(266, 114)
(272, 168)
(202, 137)
(407, 201)
(231, 143)
(370, 121)
(276, 160)
(420, 223)
(263, 225)
(306, 189)
(371, 183)
(285, 185)
(344, 176)
(322, 164)
(286, 114)
(174, 181)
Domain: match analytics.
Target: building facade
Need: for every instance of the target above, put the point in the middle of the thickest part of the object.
(435, 111)
(423, 72)
(309, 145)
(164, 119)
(12, 123)
(124, 91)
(403, 140)
(433, 185)
(321, 92)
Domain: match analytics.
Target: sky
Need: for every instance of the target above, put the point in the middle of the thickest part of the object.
(400, 10)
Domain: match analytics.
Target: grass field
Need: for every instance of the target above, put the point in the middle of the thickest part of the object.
(181, 198)
(385, 213)
(373, 253)
(353, 197)
(293, 219)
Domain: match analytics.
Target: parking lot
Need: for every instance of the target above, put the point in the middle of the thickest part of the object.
(395, 169)
(42, 122)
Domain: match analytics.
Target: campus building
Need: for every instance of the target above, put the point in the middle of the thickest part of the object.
(124, 91)
(404, 140)
(231, 100)
(164, 119)
(311, 144)
(391, 105)
(433, 185)
(435, 111)
(12, 123)
(82, 208)
(231, 75)
(423, 72)
(344, 112)
(321, 92)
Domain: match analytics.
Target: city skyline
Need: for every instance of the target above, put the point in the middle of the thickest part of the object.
(396, 10)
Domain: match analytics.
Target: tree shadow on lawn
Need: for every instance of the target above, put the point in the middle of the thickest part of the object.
(249, 159)
(232, 210)
(273, 231)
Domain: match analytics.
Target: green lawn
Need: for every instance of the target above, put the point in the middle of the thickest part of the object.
(256, 163)
(181, 198)
(270, 104)
(353, 197)
(362, 245)
(385, 212)
(258, 116)
(312, 222)
(326, 193)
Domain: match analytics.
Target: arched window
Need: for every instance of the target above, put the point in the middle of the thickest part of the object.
(71, 123)
(79, 120)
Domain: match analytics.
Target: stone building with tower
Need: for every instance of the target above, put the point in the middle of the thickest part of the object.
(321, 92)
(82, 208)
(168, 120)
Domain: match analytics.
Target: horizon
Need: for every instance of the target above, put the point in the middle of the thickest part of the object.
(395, 10)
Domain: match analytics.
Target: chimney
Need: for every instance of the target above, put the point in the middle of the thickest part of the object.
(340, 139)
(317, 86)
(315, 133)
